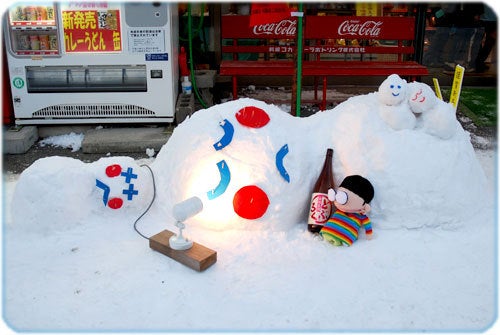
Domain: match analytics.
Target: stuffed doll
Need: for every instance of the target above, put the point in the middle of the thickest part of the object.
(352, 201)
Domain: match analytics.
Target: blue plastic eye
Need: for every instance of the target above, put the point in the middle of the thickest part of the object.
(392, 86)
(399, 86)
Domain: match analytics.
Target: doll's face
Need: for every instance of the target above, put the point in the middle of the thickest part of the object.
(350, 202)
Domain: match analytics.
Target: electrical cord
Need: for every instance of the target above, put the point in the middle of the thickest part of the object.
(150, 204)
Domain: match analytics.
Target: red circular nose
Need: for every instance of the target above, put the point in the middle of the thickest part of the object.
(250, 202)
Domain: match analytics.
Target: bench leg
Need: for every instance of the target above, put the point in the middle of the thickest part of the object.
(315, 88)
(235, 88)
(323, 101)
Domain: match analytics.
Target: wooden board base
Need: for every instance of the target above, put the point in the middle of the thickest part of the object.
(197, 258)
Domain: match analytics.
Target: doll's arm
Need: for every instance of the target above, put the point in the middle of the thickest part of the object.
(367, 224)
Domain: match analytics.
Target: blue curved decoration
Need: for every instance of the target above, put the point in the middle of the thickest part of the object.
(279, 162)
(225, 178)
(105, 188)
(228, 135)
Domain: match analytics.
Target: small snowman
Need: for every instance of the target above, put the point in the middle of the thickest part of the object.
(436, 117)
(394, 108)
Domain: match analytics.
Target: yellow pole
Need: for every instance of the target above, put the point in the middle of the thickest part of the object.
(457, 85)
(437, 88)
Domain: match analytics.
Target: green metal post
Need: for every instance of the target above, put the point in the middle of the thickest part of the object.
(299, 60)
(191, 63)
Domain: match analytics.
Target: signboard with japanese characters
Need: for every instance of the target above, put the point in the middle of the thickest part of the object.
(146, 40)
(91, 27)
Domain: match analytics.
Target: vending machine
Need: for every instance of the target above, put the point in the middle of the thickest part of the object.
(92, 62)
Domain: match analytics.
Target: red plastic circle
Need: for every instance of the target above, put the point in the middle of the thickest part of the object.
(250, 202)
(113, 170)
(252, 117)
(115, 203)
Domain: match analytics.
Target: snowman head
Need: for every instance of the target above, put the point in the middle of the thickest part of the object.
(392, 91)
(421, 97)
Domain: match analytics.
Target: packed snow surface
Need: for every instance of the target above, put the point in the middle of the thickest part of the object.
(73, 262)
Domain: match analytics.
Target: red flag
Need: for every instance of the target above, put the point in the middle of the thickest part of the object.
(262, 13)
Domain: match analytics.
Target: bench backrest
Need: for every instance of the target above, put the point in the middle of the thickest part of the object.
(360, 35)
(325, 37)
(274, 38)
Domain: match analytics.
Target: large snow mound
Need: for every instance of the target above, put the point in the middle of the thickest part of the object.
(419, 179)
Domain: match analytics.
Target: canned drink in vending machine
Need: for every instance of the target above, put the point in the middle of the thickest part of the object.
(41, 13)
(23, 42)
(34, 42)
(30, 13)
(44, 42)
(53, 42)
(19, 14)
(50, 13)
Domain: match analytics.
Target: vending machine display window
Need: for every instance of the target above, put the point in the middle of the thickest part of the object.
(92, 78)
(33, 30)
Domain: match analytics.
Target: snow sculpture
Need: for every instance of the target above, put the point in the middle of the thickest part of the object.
(394, 109)
(68, 191)
(254, 167)
(436, 116)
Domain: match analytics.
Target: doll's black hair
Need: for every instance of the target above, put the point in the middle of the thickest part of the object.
(360, 186)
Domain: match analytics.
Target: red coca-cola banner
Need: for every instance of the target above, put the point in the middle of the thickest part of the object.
(359, 27)
(265, 13)
(238, 26)
(283, 28)
(322, 27)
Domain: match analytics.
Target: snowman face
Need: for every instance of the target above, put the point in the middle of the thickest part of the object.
(393, 90)
(421, 98)
(120, 184)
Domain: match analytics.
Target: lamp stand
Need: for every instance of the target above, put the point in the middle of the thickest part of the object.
(179, 242)
(198, 257)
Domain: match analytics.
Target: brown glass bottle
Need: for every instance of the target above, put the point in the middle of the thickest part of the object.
(321, 208)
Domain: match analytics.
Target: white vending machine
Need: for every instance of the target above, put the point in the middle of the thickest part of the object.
(92, 62)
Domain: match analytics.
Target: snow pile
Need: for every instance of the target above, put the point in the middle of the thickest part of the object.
(69, 192)
(85, 269)
(72, 141)
(419, 179)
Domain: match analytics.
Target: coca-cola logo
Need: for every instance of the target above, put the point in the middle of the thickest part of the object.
(358, 28)
(284, 28)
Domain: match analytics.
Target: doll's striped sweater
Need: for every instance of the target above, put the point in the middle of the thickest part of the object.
(345, 226)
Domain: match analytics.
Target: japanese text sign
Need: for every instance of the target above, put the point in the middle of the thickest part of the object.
(92, 30)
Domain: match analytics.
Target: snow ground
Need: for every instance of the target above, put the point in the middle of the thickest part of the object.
(103, 277)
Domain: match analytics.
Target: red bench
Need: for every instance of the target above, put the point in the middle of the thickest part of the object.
(333, 46)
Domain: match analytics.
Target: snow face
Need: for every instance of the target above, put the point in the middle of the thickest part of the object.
(438, 118)
(393, 106)
(421, 97)
(392, 91)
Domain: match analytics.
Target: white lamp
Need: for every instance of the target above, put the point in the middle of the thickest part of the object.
(183, 211)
